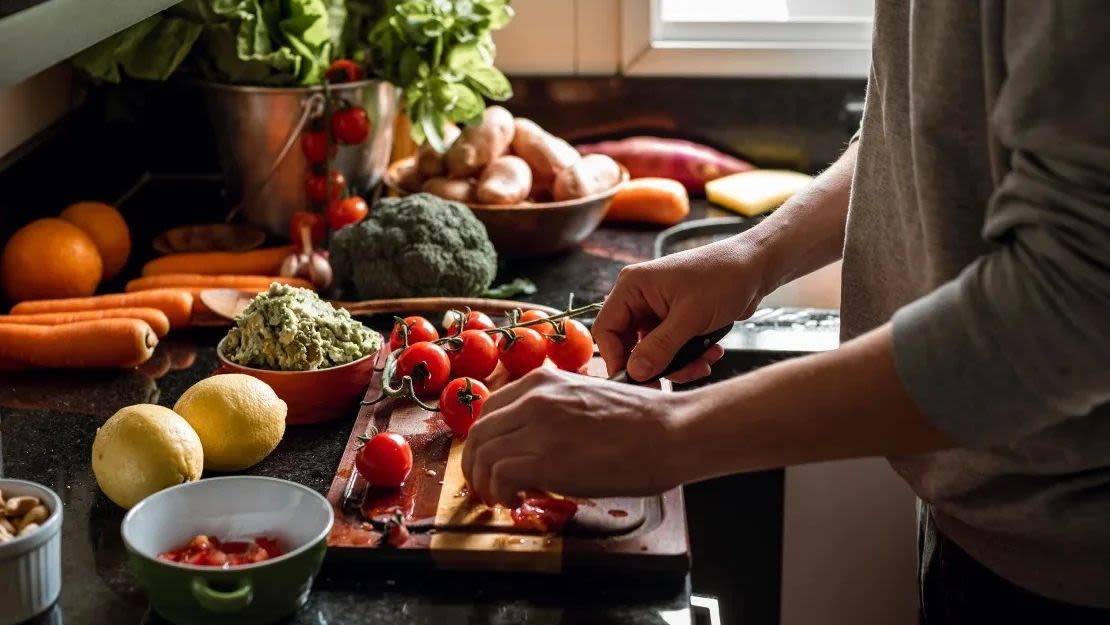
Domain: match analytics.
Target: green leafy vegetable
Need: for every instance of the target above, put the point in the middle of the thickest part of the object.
(439, 52)
(520, 286)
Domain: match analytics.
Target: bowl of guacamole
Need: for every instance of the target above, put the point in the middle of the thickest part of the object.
(316, 357)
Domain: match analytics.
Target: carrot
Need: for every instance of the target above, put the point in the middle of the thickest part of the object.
(195, 283)
(155, 318)
(659, 201)
(196, 280)
(261, 262)
(85, 344)
(177, 304)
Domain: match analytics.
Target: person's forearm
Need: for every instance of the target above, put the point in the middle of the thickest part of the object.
(807, 232)
(846, 403)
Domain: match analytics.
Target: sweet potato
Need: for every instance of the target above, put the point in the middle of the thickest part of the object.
(448, 189)
(690, 163)
(591, 175)
(660, 201)
(479, 144)
(429, 162)
(260, 262)
(546, 154)
(507, 180)
(407, 176)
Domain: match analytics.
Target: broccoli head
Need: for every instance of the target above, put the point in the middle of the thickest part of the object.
(415, 246)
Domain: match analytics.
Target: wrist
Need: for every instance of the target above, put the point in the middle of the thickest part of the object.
(687, 416)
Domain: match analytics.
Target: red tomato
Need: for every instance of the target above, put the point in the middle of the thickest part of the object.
(473, 355)
(420, 330)
(350, 125)
(428, 366)
(314, 144)
(461, 404)
(347, 211)
(474, 321)
(572, 350)
(343, 70)
(318, 230)
(321, 189)
(526, 352)
(384, 460)
(209, 551)
(544, 514)
(542, 328)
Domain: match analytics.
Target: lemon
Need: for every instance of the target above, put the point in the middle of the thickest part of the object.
(142, 449)
(239, 419)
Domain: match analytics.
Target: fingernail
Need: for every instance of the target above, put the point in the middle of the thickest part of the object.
(640, 368)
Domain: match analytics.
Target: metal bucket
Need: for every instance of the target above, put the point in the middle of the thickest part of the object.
(258, 131)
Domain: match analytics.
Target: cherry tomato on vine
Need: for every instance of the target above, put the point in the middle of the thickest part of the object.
(526, 352)
(474, 321)
(384, 460)
(572, 350)
(316, 227)
(321, 189)
(542, 328)
(314, 144)
(419, 329)
(461, 404)
(473, 355)
(428, 366)
(350, 125)
(347, 211)
(343, 70)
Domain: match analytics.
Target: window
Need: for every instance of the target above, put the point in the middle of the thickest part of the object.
(829, 38)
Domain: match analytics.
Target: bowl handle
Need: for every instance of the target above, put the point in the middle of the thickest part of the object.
(222, 602)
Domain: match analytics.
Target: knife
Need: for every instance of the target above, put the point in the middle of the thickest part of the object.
(688, 353)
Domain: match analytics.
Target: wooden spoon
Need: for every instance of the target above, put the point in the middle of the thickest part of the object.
(228, 303)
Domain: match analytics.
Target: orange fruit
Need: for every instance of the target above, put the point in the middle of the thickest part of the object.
(108, 231)
(49, 258)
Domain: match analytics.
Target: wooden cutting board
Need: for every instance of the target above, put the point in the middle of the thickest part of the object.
(634, 534)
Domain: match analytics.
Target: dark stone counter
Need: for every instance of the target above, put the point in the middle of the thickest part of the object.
(48, 421)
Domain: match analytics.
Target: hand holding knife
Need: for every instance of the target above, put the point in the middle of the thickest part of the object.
(688, 353)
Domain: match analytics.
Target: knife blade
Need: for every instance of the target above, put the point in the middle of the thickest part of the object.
(688, 353)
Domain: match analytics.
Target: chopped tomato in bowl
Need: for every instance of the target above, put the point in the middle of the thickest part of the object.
(211, 551)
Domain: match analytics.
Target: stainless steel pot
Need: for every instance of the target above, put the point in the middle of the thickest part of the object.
(257, 133)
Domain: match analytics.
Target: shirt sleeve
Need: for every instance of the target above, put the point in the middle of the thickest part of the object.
(1020, 340)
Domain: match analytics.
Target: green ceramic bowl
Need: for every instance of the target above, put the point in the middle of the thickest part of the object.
(231, 508)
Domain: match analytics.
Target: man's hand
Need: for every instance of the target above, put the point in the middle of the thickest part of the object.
(574, 435)
(657, 306)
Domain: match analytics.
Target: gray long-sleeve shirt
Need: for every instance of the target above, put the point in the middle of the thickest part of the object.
(980, 220)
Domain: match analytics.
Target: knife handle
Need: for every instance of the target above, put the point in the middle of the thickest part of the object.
(688, 353)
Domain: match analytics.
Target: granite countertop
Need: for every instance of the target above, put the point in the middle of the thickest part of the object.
(48, 421)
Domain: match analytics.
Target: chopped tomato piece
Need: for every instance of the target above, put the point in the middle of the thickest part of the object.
(544, 514)
(209, 551)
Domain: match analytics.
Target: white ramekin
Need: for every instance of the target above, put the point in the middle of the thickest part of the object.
(31, 565)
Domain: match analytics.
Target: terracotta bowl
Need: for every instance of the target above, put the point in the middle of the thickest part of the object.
(313, 396)
(533, 228)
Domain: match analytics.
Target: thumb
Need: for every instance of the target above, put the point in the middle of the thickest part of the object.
(654, 351)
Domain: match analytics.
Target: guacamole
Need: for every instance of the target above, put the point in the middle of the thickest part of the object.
(292, 329)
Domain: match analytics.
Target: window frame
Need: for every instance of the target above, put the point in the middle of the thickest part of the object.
(824, 48)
